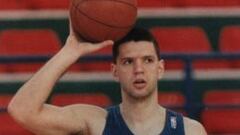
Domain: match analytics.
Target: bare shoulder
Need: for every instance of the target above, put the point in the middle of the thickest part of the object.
(193, 127)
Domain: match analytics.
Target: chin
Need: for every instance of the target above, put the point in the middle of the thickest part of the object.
(140, 95)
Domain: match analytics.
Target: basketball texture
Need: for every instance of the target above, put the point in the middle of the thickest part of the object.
(99, 20)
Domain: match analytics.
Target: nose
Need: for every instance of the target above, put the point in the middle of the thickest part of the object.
(138, 67)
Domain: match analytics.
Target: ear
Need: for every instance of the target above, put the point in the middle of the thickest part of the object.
(114, 72)
(161, 68)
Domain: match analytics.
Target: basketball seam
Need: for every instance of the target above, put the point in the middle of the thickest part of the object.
(112, 26)
(83, 35)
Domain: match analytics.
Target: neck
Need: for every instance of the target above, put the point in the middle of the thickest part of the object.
(140, 110)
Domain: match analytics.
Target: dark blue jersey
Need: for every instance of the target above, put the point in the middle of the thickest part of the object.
(115, 125)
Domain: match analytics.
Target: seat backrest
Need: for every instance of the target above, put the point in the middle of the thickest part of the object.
(50, 4)
(171, 99)
(14, 4)
(222, 97)
(229, 42)
(29, 42)
(222, 111)
(98, 99)
(186, 40)
(4, 100)
(224, 121)
(159, 3)
(229, 39)
(211, 3)
(18, 42)
(187, 3)
(10, 127)
(181, 39)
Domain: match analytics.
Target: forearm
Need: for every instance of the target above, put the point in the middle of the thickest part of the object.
(33, 94)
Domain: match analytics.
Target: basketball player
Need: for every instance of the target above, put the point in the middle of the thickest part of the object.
(136, 65)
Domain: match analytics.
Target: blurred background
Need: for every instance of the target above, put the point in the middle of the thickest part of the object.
(199, 41)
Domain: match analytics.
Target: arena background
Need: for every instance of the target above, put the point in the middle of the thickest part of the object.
(199, 42)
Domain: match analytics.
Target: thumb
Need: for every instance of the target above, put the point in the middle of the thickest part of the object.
(90, 47)
(103, 44)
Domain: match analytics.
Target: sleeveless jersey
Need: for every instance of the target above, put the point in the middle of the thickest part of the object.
(115, 124)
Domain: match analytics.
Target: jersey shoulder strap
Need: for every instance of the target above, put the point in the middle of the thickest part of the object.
(174, 123)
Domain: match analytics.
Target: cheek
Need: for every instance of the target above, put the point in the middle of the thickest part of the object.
(124, 75)
(154, 72)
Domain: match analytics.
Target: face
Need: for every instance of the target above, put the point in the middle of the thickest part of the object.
(138, 69)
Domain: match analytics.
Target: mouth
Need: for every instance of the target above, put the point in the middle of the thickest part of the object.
(139, 83)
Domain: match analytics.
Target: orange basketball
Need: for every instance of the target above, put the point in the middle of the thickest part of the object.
(99, 20)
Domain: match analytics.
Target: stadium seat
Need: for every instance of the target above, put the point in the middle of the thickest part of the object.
(186, 40)
(4, 100)
(14, 4)
(63, 99)
(211, 3)
(229, 42)
(18, 42)
(187, 3)
(159, 3)
(50, 4)
(222, 97)
(172, 100)
(222, 113)
(9, 127)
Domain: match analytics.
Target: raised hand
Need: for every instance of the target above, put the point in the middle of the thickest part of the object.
(78, 47)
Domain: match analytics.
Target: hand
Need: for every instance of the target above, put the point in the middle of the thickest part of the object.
(80, 48)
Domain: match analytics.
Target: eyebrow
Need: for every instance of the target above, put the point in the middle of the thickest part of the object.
(147, 56)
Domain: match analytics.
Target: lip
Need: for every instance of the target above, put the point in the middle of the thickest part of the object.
(139, 83)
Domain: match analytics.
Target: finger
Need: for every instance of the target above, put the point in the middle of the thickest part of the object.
(73, 33)
(70, 26)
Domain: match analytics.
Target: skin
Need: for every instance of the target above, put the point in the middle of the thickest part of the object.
(137, 69)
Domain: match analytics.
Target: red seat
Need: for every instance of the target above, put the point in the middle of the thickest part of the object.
(229, 42)
(221, 97)
(186, 40)
(222, 119)
(14, 4)
(211, 3)
(10, 127)
(188, 3)
(50, 4)
(87, 98)
(28, 42)
(4, 100)
(158, 3)
(172, 100)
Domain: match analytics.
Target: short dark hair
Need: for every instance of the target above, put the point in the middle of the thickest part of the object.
(136, 34)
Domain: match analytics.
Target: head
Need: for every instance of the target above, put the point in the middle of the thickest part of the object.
(137, 64)
(136, 34)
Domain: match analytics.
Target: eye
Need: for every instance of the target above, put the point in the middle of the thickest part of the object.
(127, 62)
(149, 60)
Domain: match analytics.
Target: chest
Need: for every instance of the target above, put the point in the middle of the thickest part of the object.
(147, 128)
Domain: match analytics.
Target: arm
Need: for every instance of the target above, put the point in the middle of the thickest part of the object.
(193, 127)
(28, 105)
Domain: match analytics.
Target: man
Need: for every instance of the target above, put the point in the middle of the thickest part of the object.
(136, 65)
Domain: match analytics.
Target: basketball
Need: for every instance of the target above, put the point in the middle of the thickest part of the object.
(99, 20)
